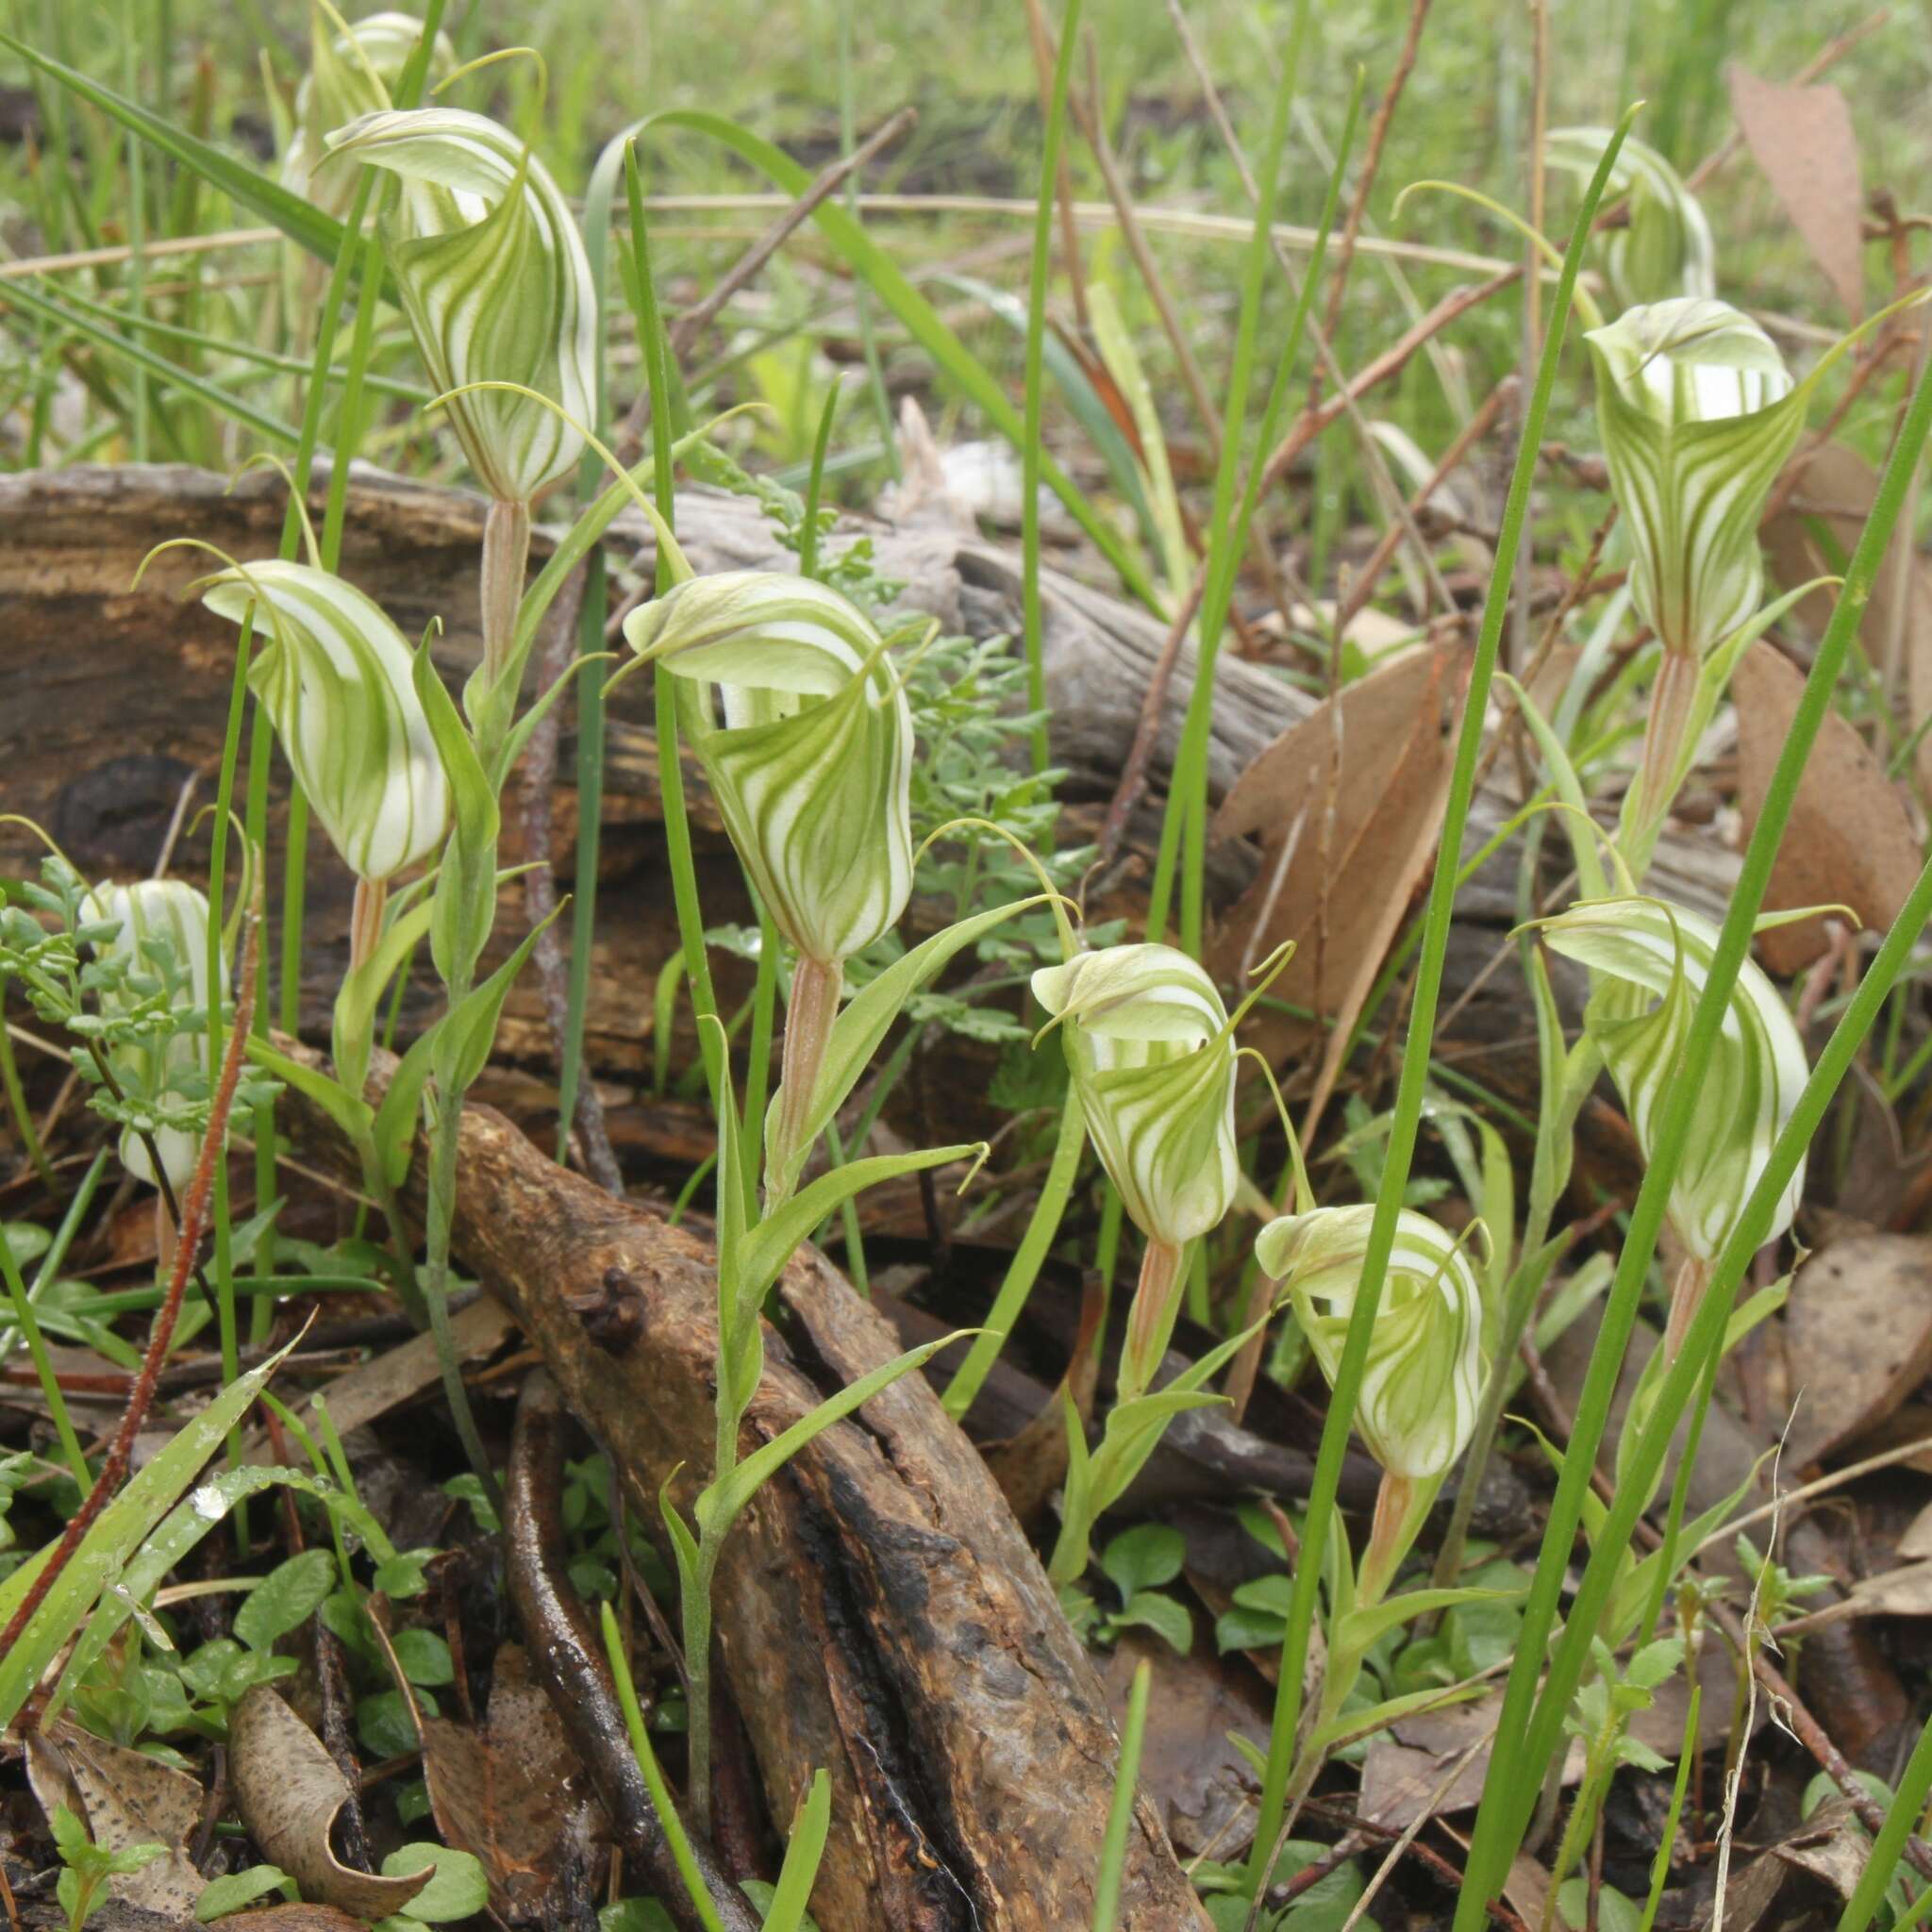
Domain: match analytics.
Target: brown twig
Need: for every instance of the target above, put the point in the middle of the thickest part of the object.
(1388, 1833)
(539, 884)
(1472, 432)
(1045, 59)
(1813, 1736)
(693, 322)
(1372, 163)
(1092, 125)
(194, 1225)
(212, 1805)
(569, 1660)
(8, 1899)
(1391, 361)
(1133, 782)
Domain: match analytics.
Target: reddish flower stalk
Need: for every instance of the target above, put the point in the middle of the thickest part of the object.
(194, 1212)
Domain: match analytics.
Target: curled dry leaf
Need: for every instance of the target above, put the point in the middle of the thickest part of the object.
(505, 1794)
(1802, 139)
(1346, 805)
(1830, 1846)
(124, 1799)
(288, 1791)
(1850, 839)
(1859, 1325)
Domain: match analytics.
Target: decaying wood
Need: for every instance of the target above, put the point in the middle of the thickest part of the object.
(880, 1611)
(112, 696)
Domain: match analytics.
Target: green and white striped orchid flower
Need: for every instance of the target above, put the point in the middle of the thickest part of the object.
(1425, 1364)
(496, 285)
(335, 676)
(795, 712)
(1151, 1049)
(1698, 414)
(785, 693)
(173, 912)
(1649, 962)
(1663, 248)
(350, 74)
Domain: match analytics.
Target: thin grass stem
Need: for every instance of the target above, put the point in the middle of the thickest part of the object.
(1405, 1120)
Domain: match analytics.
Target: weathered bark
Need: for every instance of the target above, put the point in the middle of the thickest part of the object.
(880, 1611)
(111, 697)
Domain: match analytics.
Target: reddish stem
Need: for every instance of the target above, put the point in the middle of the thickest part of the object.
(194, 1212)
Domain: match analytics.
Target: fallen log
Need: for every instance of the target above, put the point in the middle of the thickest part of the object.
(113, 699)
(880, 1611)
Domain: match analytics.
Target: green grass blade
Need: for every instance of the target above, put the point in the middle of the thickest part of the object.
(1029, 1258)
(117, 1534)
(690, 920)
(661, 1801)
(245, 184)
(1030, 449)
(47, 309)
(1120, 1813)
(889, 282)
(786, 1912)
(1505, 1810)
(1406, 1123)
(1904, 1813)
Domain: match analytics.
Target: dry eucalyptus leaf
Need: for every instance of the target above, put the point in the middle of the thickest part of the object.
(1834, 491)
(1346, 805)
(125, 1798)
(1406, 1763)
(1802, 139)
(1751, 1894)
(1200, 1783)
(1831, 1845)
(1858, 1331)
(288, 1791)
(1905, 1592)
(1917, 1541)
(1850, 839)
(506, 1795)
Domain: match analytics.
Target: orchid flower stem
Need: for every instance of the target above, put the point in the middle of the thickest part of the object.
(1673, 699)
(1391, 1535)
(1687, 1297)
(808, 1021)
(1151, 1318)
(365, 919)
(445, 1144)
(506, 555)
(696, 1627)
